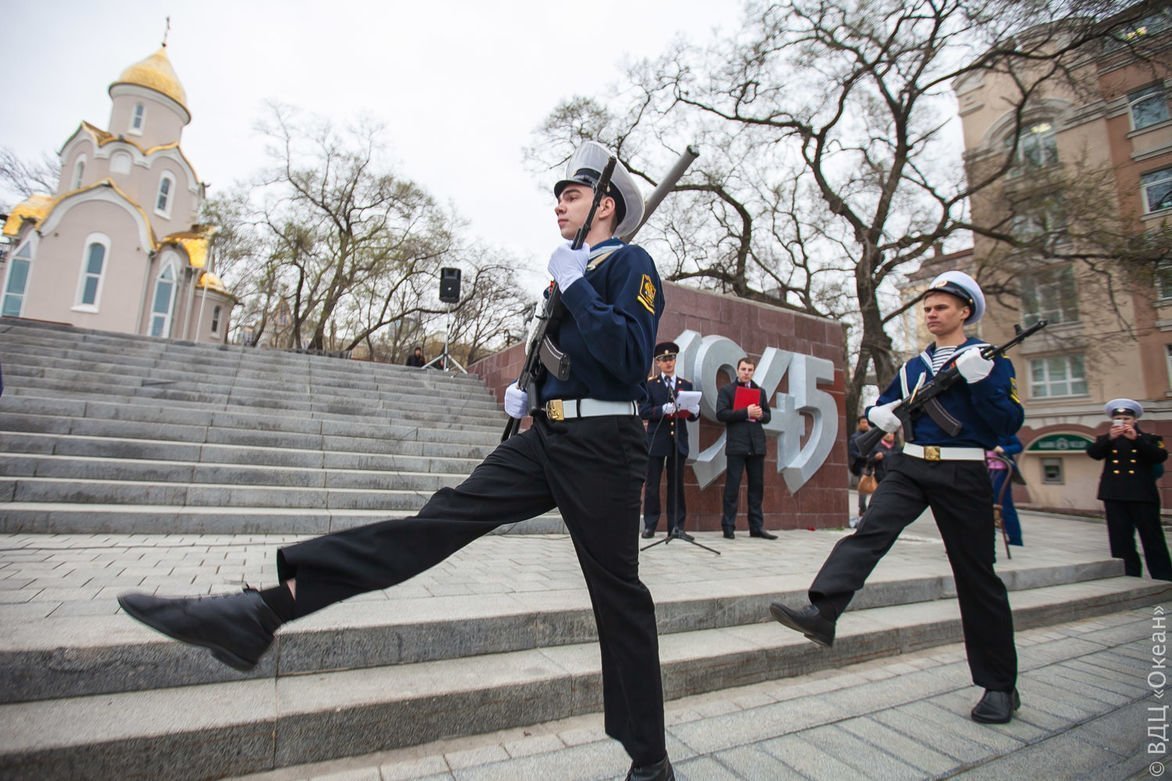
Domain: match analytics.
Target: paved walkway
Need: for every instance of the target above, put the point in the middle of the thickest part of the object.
(1085, 714)
(1085, 685)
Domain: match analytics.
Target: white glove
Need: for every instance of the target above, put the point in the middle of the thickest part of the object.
(669, 408)
(973, 366)
(516, 402)
(567, 266)
(883, 416)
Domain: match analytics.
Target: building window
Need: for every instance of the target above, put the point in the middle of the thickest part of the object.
(163, 302)
(1149, 106)
(1037, 145)
(138, 119)
(216, 311)
(78, 173)
(1157, 190)
(1050, 295)
(93, 264)
(1059, 375)
(17, 282)
(1052, 471)
(163, 200)
(1168, 363)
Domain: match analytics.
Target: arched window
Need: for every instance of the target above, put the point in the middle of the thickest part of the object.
(78, 173)
(138, 118)
(163, 199)
(93, 267)
(19, 265)
(1037, 145)
(163, 301)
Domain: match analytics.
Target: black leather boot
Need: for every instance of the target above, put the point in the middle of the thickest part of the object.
(237, 628)
(659, 771)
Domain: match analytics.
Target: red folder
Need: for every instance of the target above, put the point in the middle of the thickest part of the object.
(746, 396)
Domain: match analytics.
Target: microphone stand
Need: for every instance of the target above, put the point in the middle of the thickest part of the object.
(676, 480)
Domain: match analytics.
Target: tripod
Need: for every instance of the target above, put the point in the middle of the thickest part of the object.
(445, 356)
(675, 480)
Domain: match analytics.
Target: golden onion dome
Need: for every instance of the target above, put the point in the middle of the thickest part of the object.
(155, 72)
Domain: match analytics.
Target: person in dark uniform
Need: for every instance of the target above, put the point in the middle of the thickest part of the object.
(744, 448)
(1128, 489)
(585, 454)
(946, 473)
(667, 442)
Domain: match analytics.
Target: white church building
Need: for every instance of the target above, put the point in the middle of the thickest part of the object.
(118, 246)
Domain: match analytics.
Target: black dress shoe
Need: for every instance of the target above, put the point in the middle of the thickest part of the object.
(763, 535)
(729, 534)
(660, 771)
(648, 533)
(680, 534)
(996, 707)
(809, 621)
(237, 628)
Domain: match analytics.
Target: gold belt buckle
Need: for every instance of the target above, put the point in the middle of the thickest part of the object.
(553, 410)
(931, 453)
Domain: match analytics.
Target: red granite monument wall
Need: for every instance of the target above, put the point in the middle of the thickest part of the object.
(822, 501)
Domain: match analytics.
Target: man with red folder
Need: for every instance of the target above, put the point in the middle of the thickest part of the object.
(743, 408)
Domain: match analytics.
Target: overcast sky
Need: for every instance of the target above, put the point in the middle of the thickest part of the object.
(460, 85)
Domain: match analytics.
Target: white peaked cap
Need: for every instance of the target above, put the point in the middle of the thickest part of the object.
(585, 167)
(1124, 406)
(964, 287)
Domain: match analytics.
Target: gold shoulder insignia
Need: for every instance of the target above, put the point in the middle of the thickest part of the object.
(646, 295)
(1013, 391)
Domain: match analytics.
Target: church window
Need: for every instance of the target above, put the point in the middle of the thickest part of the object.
(163, 302)
(163, 199)
(138, 118)
(17, 282)
(78, 173)
(89, 287)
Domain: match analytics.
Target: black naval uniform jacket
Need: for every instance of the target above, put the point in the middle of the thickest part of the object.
(661, 431)
(1127, 466)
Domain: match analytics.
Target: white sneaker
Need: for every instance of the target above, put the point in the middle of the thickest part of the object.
(854, 522)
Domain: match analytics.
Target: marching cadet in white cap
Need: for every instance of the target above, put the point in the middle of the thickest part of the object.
(586, 454)
(1127, 488)
(947, 473)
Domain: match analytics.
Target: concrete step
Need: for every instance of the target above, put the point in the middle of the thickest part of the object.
(352, 437)
(239, 429)
(235, 727)
(22, 445)
(109, 654)
(64, 518)
(420, 413)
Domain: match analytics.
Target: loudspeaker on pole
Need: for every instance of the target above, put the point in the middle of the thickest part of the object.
(449, 285)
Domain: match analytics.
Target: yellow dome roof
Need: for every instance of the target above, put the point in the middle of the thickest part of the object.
(155, 72)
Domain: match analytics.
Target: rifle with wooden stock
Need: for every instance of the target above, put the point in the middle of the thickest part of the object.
(920, 400)
(543, 354)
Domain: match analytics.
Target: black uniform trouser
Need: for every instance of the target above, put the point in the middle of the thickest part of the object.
(677, 508)
(1124, 519)
(754, 465)
(961, 497)
(591, 469)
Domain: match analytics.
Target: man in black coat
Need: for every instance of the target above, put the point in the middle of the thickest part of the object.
(667, 442)
(742, 406)
(1128, 490)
